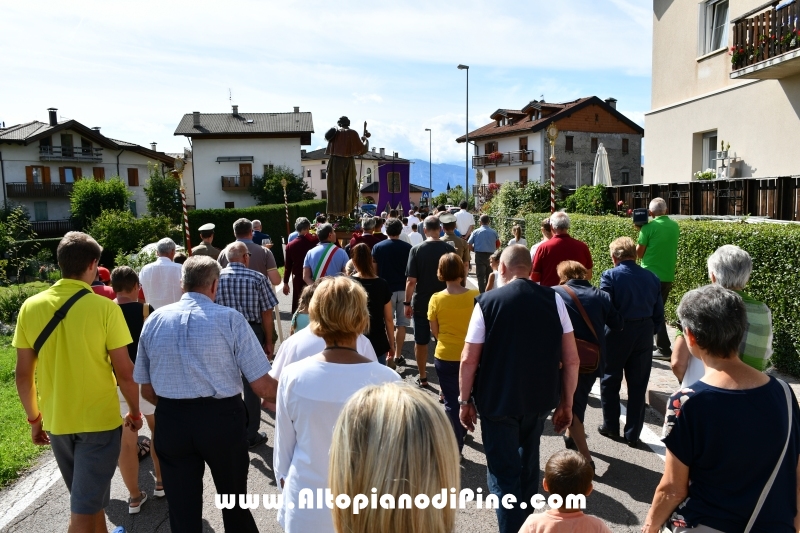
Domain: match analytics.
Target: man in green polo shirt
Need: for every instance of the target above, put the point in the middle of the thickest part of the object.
(69, 389)
(657, 247)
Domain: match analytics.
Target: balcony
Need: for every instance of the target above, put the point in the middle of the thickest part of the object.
(236, 183)
(38, 190)
(52, 228)
(69, 153)
(499, 159)
(767, 45)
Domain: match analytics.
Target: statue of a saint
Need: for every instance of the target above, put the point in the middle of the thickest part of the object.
(344, 145)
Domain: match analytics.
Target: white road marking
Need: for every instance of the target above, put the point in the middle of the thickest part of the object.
(14, 500)
(647, 436)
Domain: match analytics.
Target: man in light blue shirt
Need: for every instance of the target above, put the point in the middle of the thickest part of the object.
(326, 258)
(192, 356)
(483, 241)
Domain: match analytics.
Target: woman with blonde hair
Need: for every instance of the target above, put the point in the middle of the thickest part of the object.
(516, 231)
(395, 439)
(312, 393)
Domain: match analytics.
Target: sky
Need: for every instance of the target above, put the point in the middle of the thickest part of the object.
(135, 68)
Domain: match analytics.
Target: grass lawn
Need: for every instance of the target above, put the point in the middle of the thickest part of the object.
(280, 271)
(16, 450)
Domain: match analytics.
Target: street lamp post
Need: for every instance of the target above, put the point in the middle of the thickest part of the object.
(430, 160)
(286, 206)
(466, 144)
(552, 134)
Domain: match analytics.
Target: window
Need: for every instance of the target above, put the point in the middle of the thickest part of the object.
(713, 26)
(523, 176)
(133, 177)
(66, 145)
(324, 195)
(523, 143)
(69, 174)
(490, 147)
(625, 146)
(86, 147)
(569, 143)
(46, 145)
(369, 175)
(594, 145)
(132, 207)
(323, 174)
(268, 169)
(492, 176)
(37, 174)
(626, 177)
(99, 173)
(710, 150)
(40, 210)
(308, 173)
(394, 184)
(228, 205)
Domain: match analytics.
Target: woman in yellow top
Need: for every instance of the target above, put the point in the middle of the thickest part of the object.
(449, 312)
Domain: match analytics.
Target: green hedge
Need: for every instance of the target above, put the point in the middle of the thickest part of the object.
(272, 217)
(775, 249)
(29, 247)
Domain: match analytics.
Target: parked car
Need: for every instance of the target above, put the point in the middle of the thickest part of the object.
(369, 209)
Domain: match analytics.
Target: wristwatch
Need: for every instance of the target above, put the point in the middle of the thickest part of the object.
(464, 402)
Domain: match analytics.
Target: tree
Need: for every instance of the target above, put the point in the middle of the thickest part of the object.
(452, 197)
(590, 200)
(267, 189)
(163, 193)
(15, 228)
(89, 198)
(120, 231)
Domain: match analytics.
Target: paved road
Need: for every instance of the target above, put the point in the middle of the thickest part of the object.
(623, 488)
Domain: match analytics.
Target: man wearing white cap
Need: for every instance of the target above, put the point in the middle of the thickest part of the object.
(205, 247)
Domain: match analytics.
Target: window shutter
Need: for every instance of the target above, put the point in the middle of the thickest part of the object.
(45, 174)
(78, 174)
(29, 174)
(62, 177)
(99, 173)
(133, 177)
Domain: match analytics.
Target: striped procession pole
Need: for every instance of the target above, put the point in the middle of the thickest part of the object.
(552, 183)
(188, 243)
(284, 183)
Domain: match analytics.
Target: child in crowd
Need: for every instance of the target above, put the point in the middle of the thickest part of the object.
(415, 236)
(300, 317)
(567, 472)
(494, 261)
(180, 258)
(349, 268)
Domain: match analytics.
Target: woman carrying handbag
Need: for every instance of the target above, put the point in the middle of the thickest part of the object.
(732, 439)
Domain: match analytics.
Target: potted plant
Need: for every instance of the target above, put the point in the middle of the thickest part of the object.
(705, 175)
(495, 157)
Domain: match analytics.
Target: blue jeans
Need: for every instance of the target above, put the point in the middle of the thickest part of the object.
(382, 358)
(447, 371)
(511, 444)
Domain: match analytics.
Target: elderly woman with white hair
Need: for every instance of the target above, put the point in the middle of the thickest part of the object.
(730, 267)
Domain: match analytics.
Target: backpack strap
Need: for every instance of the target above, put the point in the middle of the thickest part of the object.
(60, 314)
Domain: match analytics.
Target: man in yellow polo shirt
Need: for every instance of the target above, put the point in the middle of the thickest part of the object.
(72, 403)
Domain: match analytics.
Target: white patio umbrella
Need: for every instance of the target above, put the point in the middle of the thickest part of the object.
(602, 174)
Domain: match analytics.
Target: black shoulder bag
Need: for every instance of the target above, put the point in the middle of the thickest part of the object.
(61, 312)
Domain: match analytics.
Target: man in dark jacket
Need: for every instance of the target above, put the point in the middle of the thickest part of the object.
(295, 254)
(636, 293)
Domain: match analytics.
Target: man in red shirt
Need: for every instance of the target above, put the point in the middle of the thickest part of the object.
(370, 237)
(293, 262)
(562, 247)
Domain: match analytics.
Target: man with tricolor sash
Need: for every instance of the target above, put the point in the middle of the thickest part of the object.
(326, 258)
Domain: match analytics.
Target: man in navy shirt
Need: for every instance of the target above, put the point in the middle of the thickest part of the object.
(258, 236)
(636, 293)
(391, 256)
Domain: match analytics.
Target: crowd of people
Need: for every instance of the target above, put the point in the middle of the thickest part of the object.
(191, 347)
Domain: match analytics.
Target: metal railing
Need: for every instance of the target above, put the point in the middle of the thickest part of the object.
(765, 36)
(70, 153)
(38, 190)
(236, 183)
(496, 159)
(52, 228)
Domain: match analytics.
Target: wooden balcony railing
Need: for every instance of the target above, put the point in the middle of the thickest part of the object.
(236, 183)
(38, 190)
(52, 228)
(496, 159)
(69, 153)
(765, 36)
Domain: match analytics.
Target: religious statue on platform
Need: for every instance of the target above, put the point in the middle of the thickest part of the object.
(344, 145)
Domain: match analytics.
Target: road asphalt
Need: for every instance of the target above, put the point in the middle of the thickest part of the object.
(623, 487)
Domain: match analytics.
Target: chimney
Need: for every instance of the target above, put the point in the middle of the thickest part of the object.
(395, 155)
(296, 109)
(374, 150)
(383, 152)
(235, 110)
(196, 115)
(153, 146)
(612, 102)
(97, 129)
(53, 112)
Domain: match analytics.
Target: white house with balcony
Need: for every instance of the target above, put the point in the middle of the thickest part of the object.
(40, 162)
(725, 70)
(228, 149)
(514, 146)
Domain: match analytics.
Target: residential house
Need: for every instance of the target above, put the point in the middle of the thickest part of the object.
(724, 70)
(514, 146)
(228, 149)
(40, 162)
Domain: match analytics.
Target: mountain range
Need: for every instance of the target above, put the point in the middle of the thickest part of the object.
(443, 174)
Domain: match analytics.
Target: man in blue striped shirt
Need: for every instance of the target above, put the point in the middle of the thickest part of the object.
(250, 293)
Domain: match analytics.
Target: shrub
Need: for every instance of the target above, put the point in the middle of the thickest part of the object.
(513, 201)
(89, 198)
(135, 261)
(272, 217)
(120, 231)
(12, 298)
(590, 200)
(163, 193)
(775, 249)
(267, 189)
(15, 228)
